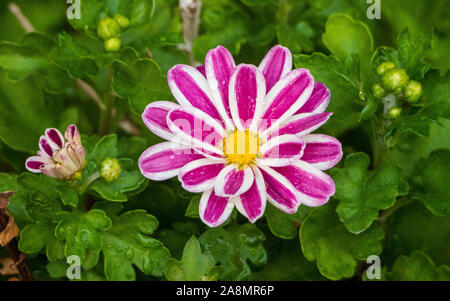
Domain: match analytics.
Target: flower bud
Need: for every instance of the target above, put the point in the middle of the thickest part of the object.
(383, 67)
(108, 28)
(378, 91)
(394, 112)
(113, 44)
(413, 91)
(110, 169)
(121, 20)
(395, 80)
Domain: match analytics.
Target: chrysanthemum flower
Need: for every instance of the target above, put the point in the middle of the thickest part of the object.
(58, 158)
(242, 136)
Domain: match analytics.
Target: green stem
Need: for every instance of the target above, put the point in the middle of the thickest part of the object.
(379, 150)
(88, 182)
(386, 213)
(107, 113)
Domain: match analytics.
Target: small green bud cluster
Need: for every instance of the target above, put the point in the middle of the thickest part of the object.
(109, 30)
(396, 81)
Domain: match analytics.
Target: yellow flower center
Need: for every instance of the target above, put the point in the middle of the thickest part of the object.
(241, 148)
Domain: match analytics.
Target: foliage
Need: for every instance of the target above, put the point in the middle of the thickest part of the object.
(392, 195)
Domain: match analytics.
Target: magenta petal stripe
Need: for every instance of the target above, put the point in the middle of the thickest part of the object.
(322, 151)
(281, 150)
(247, 91)
(286, 97)
(200, 175)
(163, 161)
(282, 194)
(34, 163)
(219, 66)
(155, 118)
(231, 181)
(54, 138)
(201, 69)
(276, 63)
(72, 134)
(190, 88)
(314, 186)
(45, 147)
(214, 209)
(252, 203)
(195, 128)
(301, 124)
(318, 101)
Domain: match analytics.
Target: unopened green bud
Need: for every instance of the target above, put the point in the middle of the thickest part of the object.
(395, 80)
(108, 28)
(413, 91)
(383, 67)
(378, 91)
(110, 169)
(78, 175)
(121, 20)
(394, 112)
(113, 44)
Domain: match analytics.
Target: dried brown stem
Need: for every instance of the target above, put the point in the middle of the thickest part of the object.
(24, 22)
(190, 16)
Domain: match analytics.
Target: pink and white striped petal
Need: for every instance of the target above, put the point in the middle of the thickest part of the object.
(196, 128)
(34, 163)
(282, 194)
(190, 88)
(72, 134)
(322, 151)
(200, 175)
(285, 98)
(54, 138)
(314, 186)
(219, 66)
(232, 181)
(155, 118)
(247, 90)
(201, 69)
(276, 63)
(214, 209)
(252, 203)
(318, 101)
(46, 148)
(281, 150)
(300, 124)
(164, 160)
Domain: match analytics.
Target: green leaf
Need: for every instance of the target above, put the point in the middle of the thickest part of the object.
(325, 239)
(430, 177)
(345, 36)
(106, 147)
(285, 262)
(139, 12)
(128, 243)
(82, 233)
(28, 114)
(363, 193)
(68, 195)
(30, 57)
(413, 51)
(35, 237)
(283, 225)
(345, 103)
(140, 82)
(418, 267)
(175, 238)
(414, 227)
(233, 246)
(73, 58)
(17, 203)
(194, 265)
(91, 11)
(192, 209)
